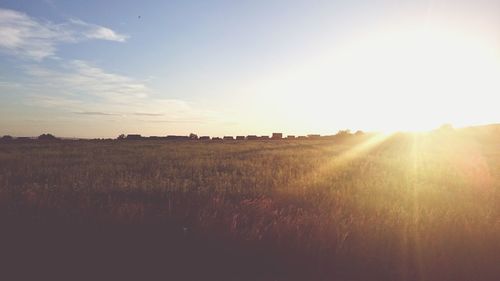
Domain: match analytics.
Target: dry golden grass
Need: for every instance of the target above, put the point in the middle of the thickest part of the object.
(371, 207)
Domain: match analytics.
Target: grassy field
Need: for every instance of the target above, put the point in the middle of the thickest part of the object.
(367, 207)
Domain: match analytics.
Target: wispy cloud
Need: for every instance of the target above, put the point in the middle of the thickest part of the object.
(93, 31)
(9, 85)
(31, 38)
(85, 89)
(39, 98)
(98, 113)
(186, 121)
(148, 114)
(82, 78)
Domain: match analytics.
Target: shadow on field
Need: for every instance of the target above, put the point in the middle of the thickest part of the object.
(65, 241)
(129, 252)
(119, 236)
(60, 242)
(66, 251)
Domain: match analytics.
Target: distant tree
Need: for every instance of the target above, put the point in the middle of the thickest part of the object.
(121, 137)
(193, 136)
(359, 133)
(344, 132)
(47, 137)
(6, 138)
(446, 127)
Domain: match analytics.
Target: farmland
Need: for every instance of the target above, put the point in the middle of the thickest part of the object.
(365, 207)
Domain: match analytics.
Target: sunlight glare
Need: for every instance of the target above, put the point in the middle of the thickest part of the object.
(405, 79)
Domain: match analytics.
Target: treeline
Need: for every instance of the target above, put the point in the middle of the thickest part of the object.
(42, 137)
(190, 137)
(274, 136)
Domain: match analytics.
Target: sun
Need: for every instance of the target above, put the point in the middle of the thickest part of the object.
(391, 79)
(385, 78)
(422, 78)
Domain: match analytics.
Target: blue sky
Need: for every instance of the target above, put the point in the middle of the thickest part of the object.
(100, 68)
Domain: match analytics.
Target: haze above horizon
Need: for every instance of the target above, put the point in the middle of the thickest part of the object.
(102, 68)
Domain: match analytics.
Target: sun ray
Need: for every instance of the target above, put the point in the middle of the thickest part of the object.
(340, 161)
(416, 158)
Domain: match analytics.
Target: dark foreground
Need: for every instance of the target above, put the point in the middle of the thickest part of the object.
(403, 207)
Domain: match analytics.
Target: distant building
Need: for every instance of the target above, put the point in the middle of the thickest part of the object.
(263, 137)
(240, 137)
(313, 136)
(228, 138)
(156, 138)
(302, 137)
(174, 137)
(329, 137)
(23, 139)
(252, 137)
(216, 139)
(204, 138)
(277, 136)
(290, 137)
(133, 137)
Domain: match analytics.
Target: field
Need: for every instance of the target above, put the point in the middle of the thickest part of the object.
(358, 207)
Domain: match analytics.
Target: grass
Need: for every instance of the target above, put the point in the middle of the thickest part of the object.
(400, 207)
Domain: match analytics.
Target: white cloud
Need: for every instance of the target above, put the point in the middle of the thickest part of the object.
(80, 77)
(85, 89)
(71, 92)
(36, 39)
(92, 31)
(106, 34)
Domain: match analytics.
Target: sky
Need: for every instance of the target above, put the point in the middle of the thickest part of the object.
(102, 68)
